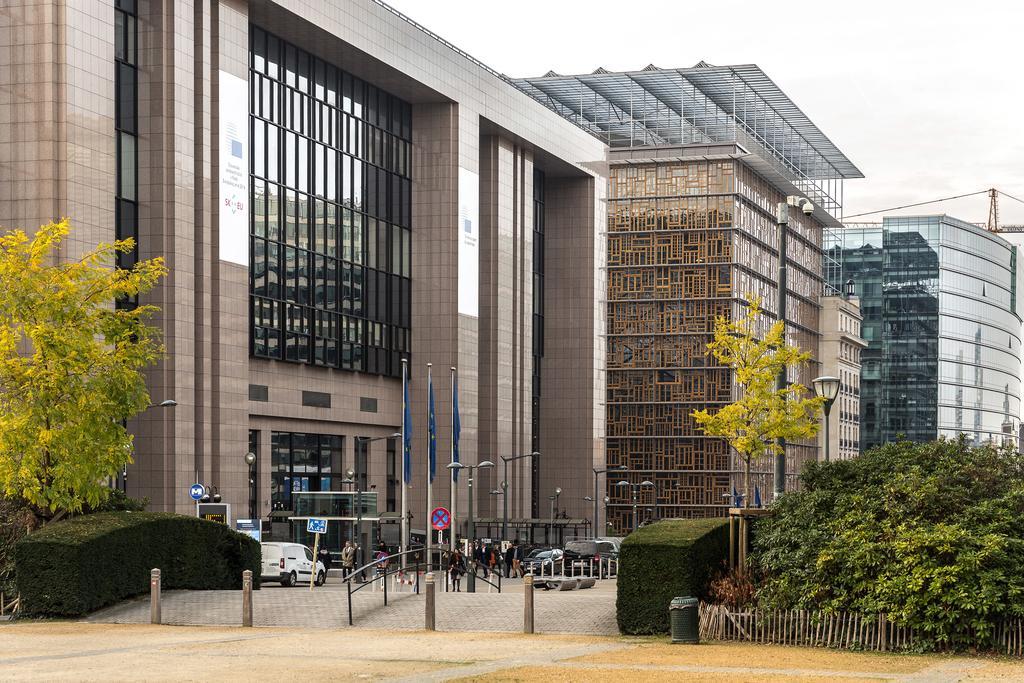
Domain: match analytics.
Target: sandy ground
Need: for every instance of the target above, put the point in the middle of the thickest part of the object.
(33, 651)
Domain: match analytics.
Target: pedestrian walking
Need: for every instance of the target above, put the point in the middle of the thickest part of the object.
(479, 557)
(381, 556)
(509, 556)
(492, 559)
(517, 559)
(324, 555)
(457, 567)
(348, 559)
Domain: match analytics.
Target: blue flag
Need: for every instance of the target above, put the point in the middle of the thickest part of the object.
(432, 427)
(406, 430)
(456, 426)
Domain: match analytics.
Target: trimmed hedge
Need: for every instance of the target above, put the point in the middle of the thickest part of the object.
(669, 559)
(76, 566)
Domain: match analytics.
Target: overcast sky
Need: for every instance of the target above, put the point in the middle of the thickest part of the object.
(926, 98)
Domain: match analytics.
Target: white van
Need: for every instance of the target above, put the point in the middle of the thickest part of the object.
(290, 563)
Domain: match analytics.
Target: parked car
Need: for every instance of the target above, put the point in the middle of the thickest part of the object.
(290, 564)
(584, 557)
(543, 561)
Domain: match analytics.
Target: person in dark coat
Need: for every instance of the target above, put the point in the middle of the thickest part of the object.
(457, 567)
(510, 554)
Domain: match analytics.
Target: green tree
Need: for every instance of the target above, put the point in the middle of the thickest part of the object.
(931, 534)
(70, 367)
(752, 423)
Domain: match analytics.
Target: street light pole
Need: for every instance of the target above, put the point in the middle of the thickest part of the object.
(454, 466)
(636, 492)
(504, 487)
(358, 476)
(166, 403)
(620, 468)
(827, 387)
(250, 460)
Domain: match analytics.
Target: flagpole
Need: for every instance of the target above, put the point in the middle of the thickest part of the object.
(451, 472)
(429, 528)
(403, 541)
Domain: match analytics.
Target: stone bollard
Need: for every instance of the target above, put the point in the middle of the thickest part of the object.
(247, 598)
(154, 596)
(528, 603)
(431, 607)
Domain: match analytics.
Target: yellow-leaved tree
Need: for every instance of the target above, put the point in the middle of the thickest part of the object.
(761, 413)
(70, 367)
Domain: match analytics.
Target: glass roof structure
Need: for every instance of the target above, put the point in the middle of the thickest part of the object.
(701, 105)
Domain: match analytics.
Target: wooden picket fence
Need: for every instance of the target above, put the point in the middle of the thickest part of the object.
(842, 630)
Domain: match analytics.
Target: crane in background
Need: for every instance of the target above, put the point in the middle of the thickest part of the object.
(993, 214)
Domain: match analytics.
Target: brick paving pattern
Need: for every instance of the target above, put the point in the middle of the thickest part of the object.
(589, 611)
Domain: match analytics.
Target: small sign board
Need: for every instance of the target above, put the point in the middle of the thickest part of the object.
(214, 512)
(196, 491)
(250, 527)
(316, 525)
(440, 518)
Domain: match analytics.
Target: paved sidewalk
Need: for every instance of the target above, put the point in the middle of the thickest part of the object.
(75, 651)
(590, 611)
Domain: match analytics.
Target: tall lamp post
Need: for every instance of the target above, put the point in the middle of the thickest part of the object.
(504, 488)
(827, 387)
(782, 220)
(618, 468)
(168, 403)
(358, 476)
(250, 460)
(471, 524)
(636, 492)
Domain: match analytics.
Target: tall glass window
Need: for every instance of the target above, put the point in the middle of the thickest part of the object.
(126, 97)
(538, 329)
(330, 271)
(303, 462)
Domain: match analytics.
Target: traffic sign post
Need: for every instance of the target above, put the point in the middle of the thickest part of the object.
(440, 518)
(316, 526)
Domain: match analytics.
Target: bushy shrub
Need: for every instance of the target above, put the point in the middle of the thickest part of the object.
(73, 567)
(669, 559)
(931, 535)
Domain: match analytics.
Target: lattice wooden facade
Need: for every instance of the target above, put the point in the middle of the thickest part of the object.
(688, 241)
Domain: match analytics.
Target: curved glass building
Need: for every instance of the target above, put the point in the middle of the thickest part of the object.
(943, 326)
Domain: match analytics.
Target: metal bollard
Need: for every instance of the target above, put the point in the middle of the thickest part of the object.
(154, 596)
(247, 598)
(471, 580)
(528, 603)
(431, 607)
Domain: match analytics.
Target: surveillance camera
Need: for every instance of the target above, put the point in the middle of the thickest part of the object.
(808, 208)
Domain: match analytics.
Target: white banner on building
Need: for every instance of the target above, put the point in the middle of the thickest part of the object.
(234, 169)
(469, 243)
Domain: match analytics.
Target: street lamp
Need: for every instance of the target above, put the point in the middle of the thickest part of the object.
(250, 460)
(166, 403)
(636, 492)
(471, 526)
(782, 220)
(617, 468)
(471, 522)
(358, 476)
(504, 488)
(827, 387)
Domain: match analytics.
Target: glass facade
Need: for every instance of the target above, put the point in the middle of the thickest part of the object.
(689, 241)
(331, 263)
(943, 328)
(303, 462)
(126, 124)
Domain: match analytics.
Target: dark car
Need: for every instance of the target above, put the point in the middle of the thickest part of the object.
(584, 558)
(543, 562)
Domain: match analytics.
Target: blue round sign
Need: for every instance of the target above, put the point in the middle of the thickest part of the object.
(197, 491)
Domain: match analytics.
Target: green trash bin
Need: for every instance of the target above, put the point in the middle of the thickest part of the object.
(684, 620)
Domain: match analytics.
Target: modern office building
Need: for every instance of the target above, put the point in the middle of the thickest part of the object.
(335, 189)
(699, 160)
(839, 351)
(942, 319)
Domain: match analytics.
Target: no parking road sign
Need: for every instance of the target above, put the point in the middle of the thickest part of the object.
(440, 518)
